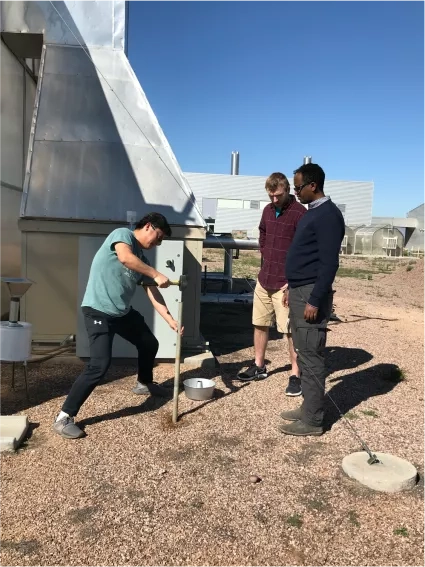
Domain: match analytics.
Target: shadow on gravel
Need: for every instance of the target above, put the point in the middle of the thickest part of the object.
(345, 358)
(47, 383)
(228, 327)
(350, 390)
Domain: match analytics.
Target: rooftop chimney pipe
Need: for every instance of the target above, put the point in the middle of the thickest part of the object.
(234, 168)
(307, 159)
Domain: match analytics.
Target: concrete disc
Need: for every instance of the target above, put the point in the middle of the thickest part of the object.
(391, 474)
(12, 431)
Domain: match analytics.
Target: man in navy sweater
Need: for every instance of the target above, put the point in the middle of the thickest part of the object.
(311, 266)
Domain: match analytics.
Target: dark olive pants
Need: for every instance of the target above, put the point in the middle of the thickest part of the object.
(309, 342)
(101, 329)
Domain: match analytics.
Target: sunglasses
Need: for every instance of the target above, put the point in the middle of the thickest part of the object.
(299, 188)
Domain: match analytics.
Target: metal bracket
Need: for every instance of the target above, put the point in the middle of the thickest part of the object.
(373, 459)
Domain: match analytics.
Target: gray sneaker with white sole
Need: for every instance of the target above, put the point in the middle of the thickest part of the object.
(151, 389)
(67, 428)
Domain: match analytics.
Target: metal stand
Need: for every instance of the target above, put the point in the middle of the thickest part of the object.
(26, 378)
(228, 271)
(25, 364)
(177, 364)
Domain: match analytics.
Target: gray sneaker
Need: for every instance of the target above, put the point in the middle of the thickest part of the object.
(67, 428)
(151, 389)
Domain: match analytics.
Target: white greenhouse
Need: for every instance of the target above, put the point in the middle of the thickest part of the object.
(378, 241)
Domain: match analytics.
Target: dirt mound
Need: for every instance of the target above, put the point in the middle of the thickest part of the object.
(408, 281)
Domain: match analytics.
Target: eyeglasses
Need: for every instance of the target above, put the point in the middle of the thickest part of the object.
(159, 237)
(299, 188)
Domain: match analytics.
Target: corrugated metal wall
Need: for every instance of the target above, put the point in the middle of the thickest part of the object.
(357, 196)
(237, 219)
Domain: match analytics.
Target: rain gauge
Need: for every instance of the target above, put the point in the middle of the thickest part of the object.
(15, 335)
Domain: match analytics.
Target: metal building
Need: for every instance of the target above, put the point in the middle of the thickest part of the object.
(416, 241)
(82, 152)
(237, 200)
(378, 241)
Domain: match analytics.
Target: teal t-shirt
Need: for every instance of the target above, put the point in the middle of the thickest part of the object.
(111, 286)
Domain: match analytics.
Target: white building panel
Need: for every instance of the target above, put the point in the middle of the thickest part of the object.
(229, 219)
(357, 196)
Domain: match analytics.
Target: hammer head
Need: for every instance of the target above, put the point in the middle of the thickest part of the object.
(183, 280)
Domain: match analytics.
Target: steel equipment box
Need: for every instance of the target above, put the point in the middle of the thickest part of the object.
(167, 259)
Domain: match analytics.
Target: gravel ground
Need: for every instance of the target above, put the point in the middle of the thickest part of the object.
(139, 491)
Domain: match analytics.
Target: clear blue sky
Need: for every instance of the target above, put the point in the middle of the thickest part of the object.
(340, 81)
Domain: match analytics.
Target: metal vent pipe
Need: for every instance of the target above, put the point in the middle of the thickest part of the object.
(228, 253)
(234, 167)
(307, 159)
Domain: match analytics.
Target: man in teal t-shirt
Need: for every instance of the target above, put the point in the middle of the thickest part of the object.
(117, 268)
(111, 285)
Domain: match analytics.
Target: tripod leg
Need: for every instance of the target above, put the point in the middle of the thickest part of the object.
(26, 378)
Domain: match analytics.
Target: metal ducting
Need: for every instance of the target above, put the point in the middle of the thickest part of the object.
(96, 149)
(88, 158)
(230, 243)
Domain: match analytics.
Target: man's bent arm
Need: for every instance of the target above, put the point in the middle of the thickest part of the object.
(131, 261)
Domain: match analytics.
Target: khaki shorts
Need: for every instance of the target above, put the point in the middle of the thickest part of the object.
(268, 307)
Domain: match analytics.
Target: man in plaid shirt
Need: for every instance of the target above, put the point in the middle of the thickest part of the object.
(277, 228)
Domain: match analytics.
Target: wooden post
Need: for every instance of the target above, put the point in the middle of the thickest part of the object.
(177, 365)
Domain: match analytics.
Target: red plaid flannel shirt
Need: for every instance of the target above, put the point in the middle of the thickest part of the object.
(276, 235)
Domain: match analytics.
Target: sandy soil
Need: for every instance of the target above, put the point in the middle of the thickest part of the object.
(138, 491)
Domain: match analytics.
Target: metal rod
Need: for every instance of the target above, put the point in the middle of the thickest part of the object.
(177, 364)
(26, 379)
(373, 458)
(228, 271)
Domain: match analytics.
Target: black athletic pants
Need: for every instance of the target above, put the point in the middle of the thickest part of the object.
(101, 329)
(310, 340)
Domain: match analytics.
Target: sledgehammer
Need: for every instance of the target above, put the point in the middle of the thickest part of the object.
(181, 282)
